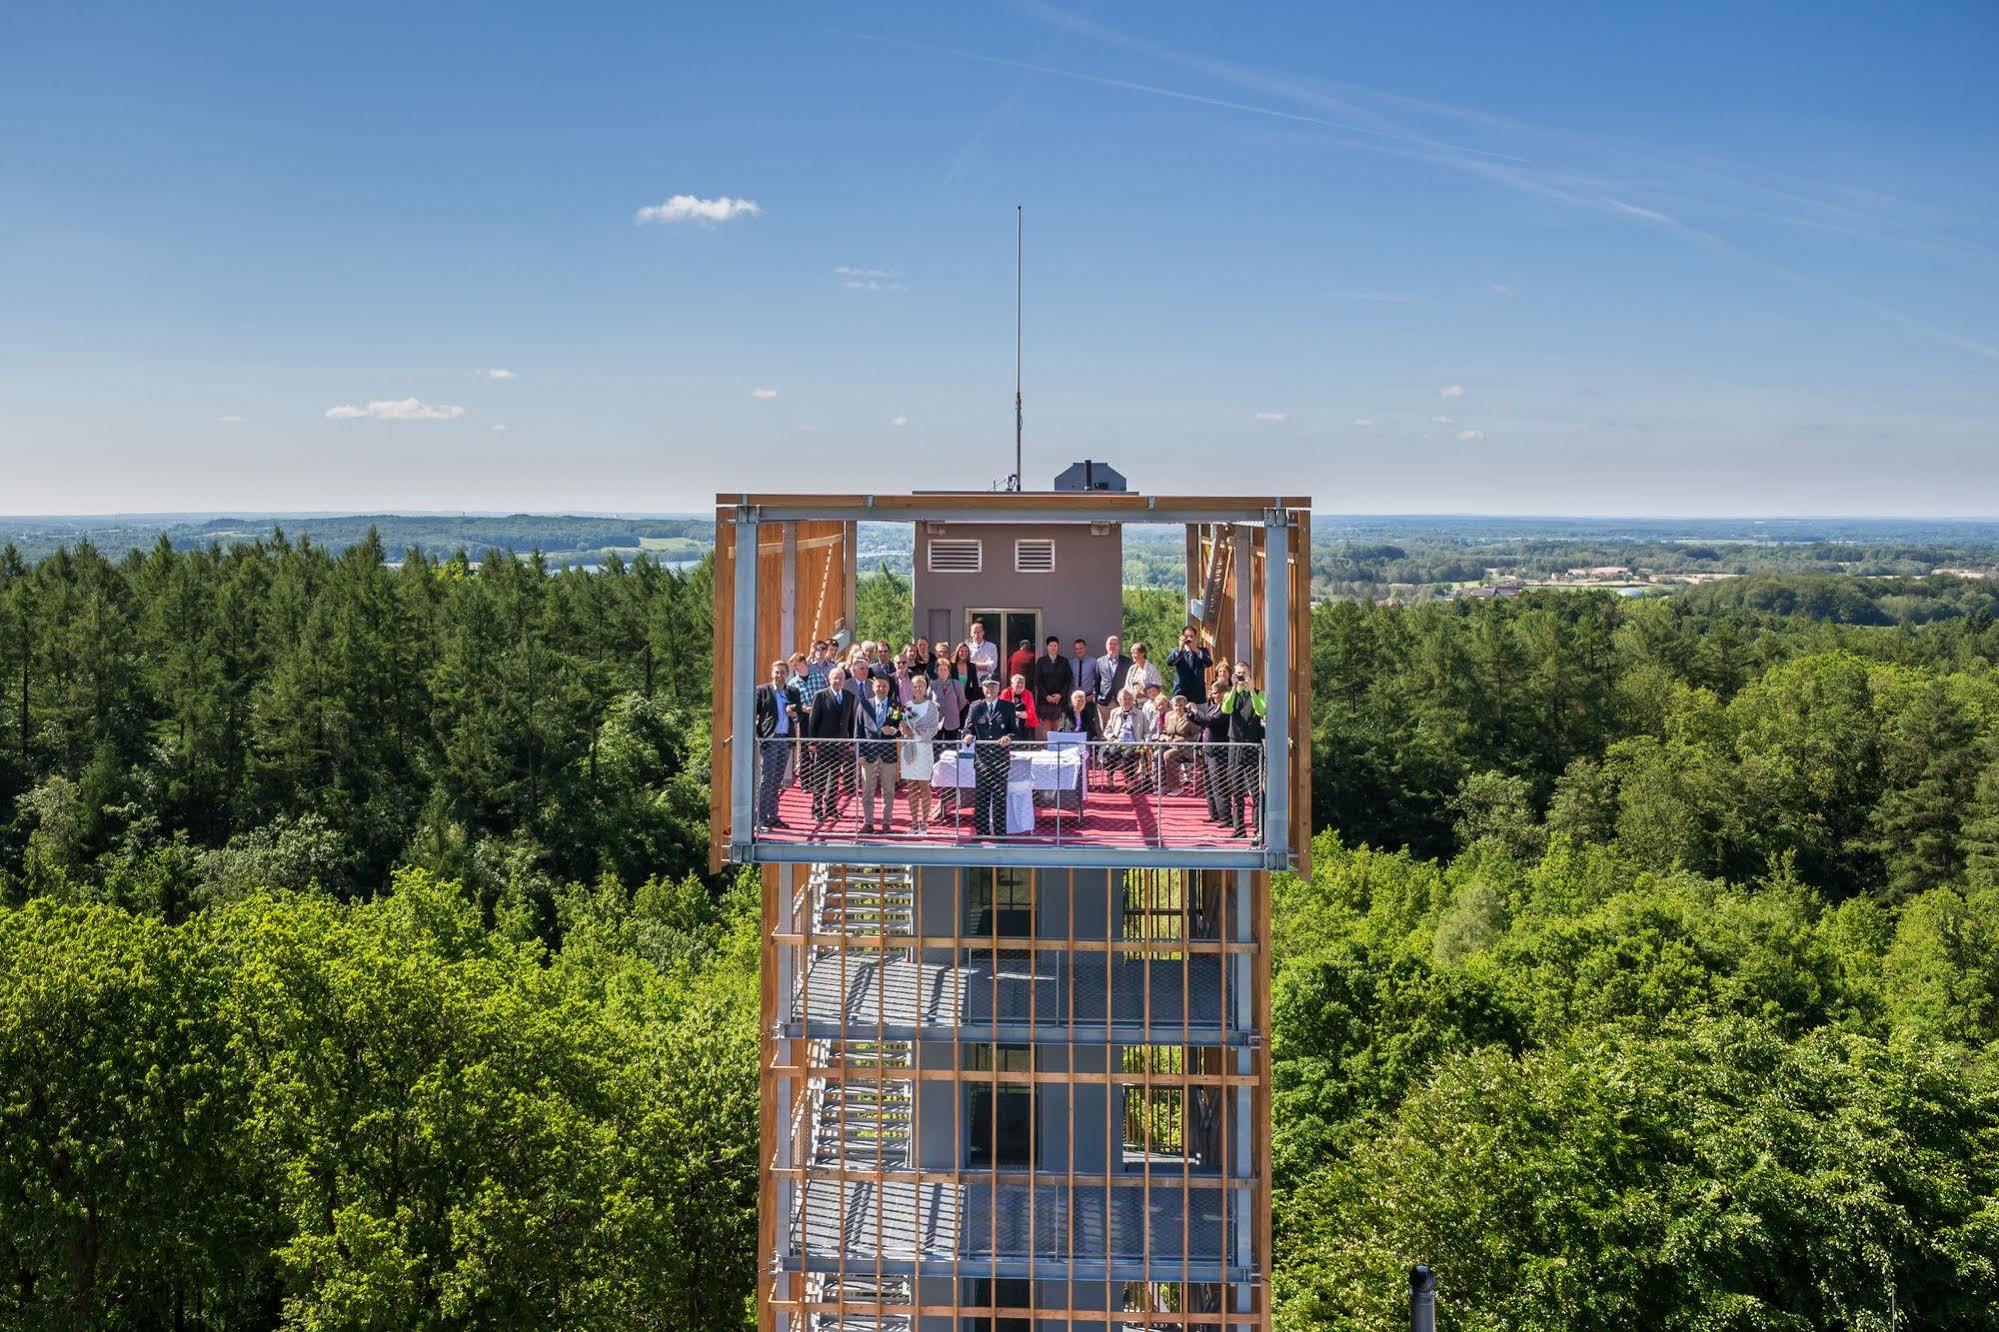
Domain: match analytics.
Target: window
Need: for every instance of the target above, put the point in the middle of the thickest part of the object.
(959, 555)
(1034, 555)
(1170, 1121)
(1000, 900)
(999, 1058)
(1001, 1129)
(984, 1294)
(1009, 628)
(1171, 1297)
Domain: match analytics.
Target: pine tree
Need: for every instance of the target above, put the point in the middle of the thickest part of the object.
(1980, 841)
(1929, 768)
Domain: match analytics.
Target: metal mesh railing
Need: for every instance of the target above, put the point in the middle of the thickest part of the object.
(1151, 794)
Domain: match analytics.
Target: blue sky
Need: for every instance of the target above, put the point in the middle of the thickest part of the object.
(1434, 258)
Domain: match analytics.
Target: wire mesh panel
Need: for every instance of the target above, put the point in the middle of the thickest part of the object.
(1156, 795)
(1018, 1110)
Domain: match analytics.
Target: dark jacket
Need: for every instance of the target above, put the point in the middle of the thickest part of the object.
(868, 727)
(990, 720)
(1102, 684)
(1190, 672)
(833, 715)
(1244, 708)
(767, 705)
(1214, 723)
(1051, 677)
(1089, 724)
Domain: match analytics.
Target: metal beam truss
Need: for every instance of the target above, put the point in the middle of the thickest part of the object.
(1001, 1098)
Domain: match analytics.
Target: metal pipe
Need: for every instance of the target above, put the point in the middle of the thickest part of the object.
(1422, 1299)
(1017, 481)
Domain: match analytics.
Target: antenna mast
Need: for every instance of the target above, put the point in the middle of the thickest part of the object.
(1015, 484)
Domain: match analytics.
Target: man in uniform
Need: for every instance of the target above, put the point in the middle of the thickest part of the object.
(990, 727)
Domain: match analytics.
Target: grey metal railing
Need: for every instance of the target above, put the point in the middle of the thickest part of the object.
(1155, 794)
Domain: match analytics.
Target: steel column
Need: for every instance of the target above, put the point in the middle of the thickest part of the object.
(787, 633)
(1276, 825)
(743, 709)
(1242, 565)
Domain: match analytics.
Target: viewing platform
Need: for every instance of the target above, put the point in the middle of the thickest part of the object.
(1157, 797)
(1000, 569)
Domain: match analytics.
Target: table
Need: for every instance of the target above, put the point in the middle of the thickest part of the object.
(1041, 769)
(1027, 771)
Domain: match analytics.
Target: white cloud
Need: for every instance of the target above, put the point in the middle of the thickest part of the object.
(868, 279)
(688, 208)
(229, 420)
(1268, 416)
(406, 409)
(1649, 214)
(1501, 289)
(1454, 391)
(1470, 436)
(500, 427)
(1363, 423)
(764, 393)
(898, 421)
(495, 373)
(1445, 420)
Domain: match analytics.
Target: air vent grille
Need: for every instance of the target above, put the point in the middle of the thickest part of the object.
(956, 555)
(1034, 555)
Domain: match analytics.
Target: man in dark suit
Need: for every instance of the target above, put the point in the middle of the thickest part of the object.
(1215, 766)
(882, 667)
(877, 724)
(990, 727)
(779, 719)
(833, 719)
(1104, 677)
(1191, 663)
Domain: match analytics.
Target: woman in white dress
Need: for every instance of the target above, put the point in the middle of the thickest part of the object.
(1143, 672)
(921, 720)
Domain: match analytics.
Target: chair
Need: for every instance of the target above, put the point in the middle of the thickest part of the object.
(1072, 799)
(1019, 805)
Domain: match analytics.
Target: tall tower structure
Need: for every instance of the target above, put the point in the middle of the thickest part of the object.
(1015, 1063)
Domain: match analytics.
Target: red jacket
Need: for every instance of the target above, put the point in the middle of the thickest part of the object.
(1020, 663)
(1023, 703)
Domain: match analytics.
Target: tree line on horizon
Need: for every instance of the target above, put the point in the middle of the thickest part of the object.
(359, 969)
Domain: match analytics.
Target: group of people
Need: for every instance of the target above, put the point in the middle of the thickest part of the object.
(900, 708)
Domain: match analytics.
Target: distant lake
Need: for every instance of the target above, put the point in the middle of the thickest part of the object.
(597, 566)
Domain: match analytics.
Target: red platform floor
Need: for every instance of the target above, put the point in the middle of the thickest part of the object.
(1108, 817)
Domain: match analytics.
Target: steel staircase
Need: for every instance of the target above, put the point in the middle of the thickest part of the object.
(861, 1289)
(863, 1121)
(863, 899)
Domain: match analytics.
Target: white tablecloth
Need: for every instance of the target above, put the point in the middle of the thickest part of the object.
(1041, 769)
(1019, 807)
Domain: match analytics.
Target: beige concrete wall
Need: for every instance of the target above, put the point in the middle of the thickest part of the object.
(1083, 597)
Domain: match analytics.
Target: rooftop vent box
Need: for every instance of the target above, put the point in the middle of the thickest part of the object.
(1087, 475)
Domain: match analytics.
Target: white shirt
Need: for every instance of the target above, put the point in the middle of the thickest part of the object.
(985, 657)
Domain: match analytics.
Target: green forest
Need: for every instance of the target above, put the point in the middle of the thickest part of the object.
(359, 969)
